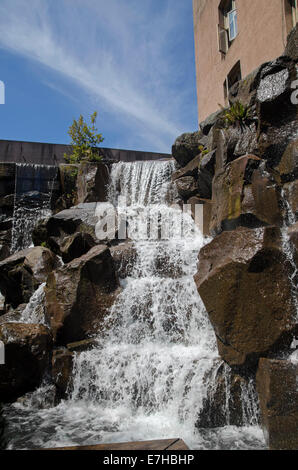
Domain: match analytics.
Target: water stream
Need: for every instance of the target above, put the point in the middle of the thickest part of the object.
(33, 193)
(150, 372)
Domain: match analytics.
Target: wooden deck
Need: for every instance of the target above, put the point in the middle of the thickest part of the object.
(165, 444)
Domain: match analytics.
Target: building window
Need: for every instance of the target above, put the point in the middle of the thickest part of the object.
(291, 14)
(228, 25)
(233, 77)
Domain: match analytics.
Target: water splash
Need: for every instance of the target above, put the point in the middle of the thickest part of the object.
(33, 194)
(34, 313)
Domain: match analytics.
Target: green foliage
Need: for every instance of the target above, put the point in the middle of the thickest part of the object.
(237, 115)
(203, 151)
(84, 141)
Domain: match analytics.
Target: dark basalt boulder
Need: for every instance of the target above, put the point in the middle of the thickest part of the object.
(73, 231)
(68, 174)
(292, 45)
(191, 169)
(76, 245)
(245, 194)
(187, 186)
(22, 273)
(186, 147)
(278, 395)
(125, 257)
(206, 174)
(62, 367)
(243, 279)
(78, 296)
(226, 401)
(27, 357)
(92, 182)
(277, 113)
(234, 142)
(211, 121)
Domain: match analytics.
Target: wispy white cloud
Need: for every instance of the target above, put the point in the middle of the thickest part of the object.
(123, 54)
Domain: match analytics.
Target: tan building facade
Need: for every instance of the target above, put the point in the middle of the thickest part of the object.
(234, 37)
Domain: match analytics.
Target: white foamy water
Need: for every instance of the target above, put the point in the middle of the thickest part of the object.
(157, 360)
(33, 194)
(33, 313)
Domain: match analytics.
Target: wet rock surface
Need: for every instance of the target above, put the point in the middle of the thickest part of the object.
(186, 147)
(92, 182)
(22, 273)
(27, 357)
(278, 395)
(243, 280)
(79, 295)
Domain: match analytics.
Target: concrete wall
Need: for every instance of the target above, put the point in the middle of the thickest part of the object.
(263, 26)
(52, 154)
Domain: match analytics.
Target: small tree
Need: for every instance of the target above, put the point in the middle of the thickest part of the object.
(84, 141)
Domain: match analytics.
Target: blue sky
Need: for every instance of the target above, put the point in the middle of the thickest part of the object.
(131, 60)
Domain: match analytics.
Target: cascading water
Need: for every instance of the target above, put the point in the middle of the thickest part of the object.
(156, 361)
(289, 251)
(33, 194)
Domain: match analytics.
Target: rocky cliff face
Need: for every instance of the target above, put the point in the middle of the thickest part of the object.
(242, 165)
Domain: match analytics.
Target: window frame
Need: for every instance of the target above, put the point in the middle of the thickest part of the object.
(226, 25)
(234, 22)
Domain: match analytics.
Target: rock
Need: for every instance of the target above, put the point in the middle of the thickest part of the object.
(5, 243)
(206, 174)
(124, 256)
(201, 169)
(62, 366)
(292, 45)
(7, 202)
(266, 197)
(186, 147)
(186, 186)
(288, 165)
(83, 219)
(233, 142)
(230, 207)
(2, 305)
(92, 183)
(13, 315)
(226, 401)
(78, 295)
(211, 121)
(76, 245)
(278, 395)
(22, 273)
(27, 357)
(80, 346)
(191, 169)
(243, 280)
(277, 114)
(293, 238)
(245, 91)
(68, 182)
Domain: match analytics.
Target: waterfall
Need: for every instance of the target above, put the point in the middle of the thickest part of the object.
(289, 252)
(33, 313)
(33, 194)
(156, 360)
